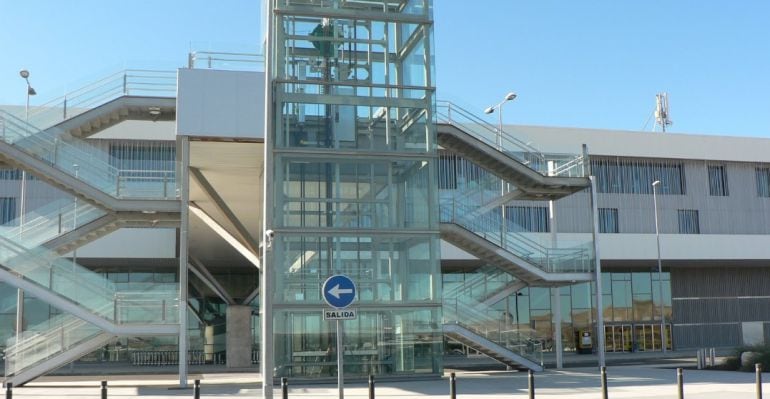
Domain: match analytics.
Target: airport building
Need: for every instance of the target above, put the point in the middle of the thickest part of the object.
(204, 208)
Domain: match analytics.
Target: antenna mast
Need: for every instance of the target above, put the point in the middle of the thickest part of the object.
(661, 111)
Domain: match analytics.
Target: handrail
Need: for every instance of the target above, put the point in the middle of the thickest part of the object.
(496, 137)
(217, 60)
(152, 83)
(501, 234)
(87, 166)
(454, 109)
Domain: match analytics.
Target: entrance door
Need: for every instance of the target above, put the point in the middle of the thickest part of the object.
(618, 338)
(648, 337)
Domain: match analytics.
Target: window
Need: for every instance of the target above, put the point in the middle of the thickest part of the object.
(636, 177)
(688, 221)
(608, 220)
(7, 209)
(10, 174)
(528, 218)
(718, 181)
(763, 182)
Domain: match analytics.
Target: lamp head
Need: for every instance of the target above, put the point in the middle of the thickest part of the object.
(510, 96)
(24, 73)
(655, 183)
(489, 110)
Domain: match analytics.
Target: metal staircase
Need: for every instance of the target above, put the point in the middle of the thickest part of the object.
(76, 167)
(467, 321)
(49, 145)
(125, 95)
(538, 175)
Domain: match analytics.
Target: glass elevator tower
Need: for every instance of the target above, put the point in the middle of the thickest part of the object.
(351, 186)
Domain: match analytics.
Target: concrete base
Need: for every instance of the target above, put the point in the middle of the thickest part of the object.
(238, 336)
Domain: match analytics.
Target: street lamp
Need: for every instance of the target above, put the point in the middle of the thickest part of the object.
(655, 185)
(30, 92)
(499, 107)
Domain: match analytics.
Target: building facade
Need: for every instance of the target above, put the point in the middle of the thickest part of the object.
(204, 208)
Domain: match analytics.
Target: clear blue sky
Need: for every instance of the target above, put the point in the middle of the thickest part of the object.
(573, 63)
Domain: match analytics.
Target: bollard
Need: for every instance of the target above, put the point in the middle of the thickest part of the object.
(531, 384)
(604, 382)
(197, 389)
(680, 383)
(104, 389)
(452, 386)
(713, 357)
(758, 368)
(284, 388)
(8, 390)
(371, 386)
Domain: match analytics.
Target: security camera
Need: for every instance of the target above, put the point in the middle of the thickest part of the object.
(269, 235)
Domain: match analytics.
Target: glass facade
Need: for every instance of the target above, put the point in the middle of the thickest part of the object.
(354, 188)
(632, 303)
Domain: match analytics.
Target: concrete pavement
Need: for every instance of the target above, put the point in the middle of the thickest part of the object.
(637, 381)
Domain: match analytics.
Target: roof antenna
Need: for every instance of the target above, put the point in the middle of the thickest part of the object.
(662, 111)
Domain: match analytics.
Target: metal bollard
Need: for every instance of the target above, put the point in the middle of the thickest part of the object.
(758, 368)
(680, 383)
(284, 388)
(531, 384)
(452, 386)
(8, 390)
(197, 389)
(604, 382)
(104, 389)
(371, 386)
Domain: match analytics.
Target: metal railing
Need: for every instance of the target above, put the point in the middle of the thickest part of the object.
(566, 165)
(569, 257)
(226, 60)
(131, 82)
(87, 163)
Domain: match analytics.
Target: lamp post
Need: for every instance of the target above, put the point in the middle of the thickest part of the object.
(30, 92)
(655, 185)
(499, 107)
(22, 210)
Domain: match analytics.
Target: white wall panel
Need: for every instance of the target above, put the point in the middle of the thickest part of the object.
(216, 103)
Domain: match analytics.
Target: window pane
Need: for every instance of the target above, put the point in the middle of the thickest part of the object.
(718, 181)
(608, 220)
(763, 182)
(7, 209)
(528, 218)
(635, 177)
(688, 221)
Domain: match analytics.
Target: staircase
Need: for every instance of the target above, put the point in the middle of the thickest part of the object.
(78, 168)
(501, 243)
(96, 309)
(49, 145)
(467, 321)
(538, 175)
(130, 94)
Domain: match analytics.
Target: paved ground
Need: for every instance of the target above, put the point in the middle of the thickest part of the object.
(636, 381)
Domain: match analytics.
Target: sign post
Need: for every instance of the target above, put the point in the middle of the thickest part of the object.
(339, 292)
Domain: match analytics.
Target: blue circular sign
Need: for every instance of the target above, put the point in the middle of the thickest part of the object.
(339, 291)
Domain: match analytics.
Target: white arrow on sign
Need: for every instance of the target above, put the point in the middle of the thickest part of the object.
(336, 291)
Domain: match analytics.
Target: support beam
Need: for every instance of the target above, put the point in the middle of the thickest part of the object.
(558, 346)
(200, 270)
(241, 232)
(251, 296)
(222, 232)
(184, 227)
(510, 289)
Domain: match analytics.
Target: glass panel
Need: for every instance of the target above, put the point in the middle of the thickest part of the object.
(379, 341)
